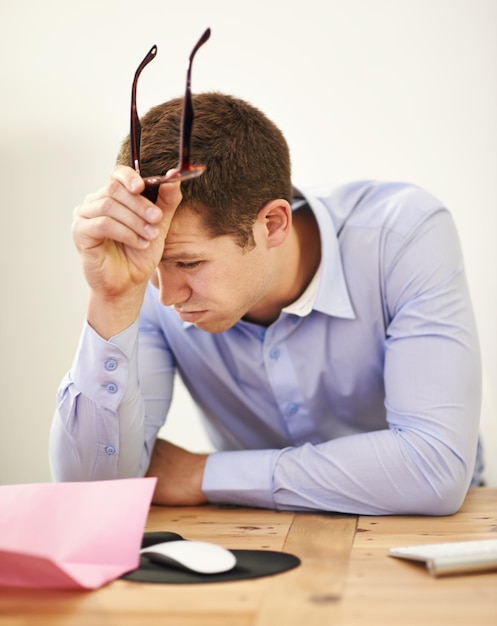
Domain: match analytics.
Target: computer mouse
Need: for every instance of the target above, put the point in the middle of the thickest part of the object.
(200, 557)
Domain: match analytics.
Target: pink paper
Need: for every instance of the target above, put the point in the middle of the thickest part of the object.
(72, 535)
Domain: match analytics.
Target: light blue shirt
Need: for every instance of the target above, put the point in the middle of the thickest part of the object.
(364, 397)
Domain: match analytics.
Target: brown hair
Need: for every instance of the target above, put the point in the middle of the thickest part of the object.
(246, 157)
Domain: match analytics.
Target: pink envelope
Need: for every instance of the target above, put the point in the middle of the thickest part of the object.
(72, 535)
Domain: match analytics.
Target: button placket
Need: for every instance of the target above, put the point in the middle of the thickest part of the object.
(284, 383)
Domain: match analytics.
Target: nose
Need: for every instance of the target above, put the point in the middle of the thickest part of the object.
(173, 288)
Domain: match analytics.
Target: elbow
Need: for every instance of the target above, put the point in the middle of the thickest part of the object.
(446, 500)
(441, 493)
(437, 475)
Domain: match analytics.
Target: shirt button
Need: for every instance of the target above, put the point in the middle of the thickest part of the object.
(292, 408)
(111, 387)
(110, 450)
(110, 365)
(274, 353)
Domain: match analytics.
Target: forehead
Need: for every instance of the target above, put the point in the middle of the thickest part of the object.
(189, 237)
(187, 223)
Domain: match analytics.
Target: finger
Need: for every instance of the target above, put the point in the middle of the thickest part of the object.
(168, 200)
(169, 194)
(88, 233)
(117, 202)
(135, 202)
(118, 189)
(117, 218)
(129, 178)
(124, 177)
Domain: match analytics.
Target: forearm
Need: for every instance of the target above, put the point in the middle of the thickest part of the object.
(380, 473)
(99, 428)
(110, 314)
(86, 442)
(179, 475)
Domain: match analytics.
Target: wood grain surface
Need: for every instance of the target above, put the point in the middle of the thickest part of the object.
(345, 577)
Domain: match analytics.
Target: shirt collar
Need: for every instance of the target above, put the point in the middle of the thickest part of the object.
(304, 304)
(327, 292)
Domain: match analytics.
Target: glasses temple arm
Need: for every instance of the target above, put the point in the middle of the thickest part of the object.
(187, 112)
(135, 126)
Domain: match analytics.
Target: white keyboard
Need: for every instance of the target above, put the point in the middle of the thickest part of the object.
(455, 557)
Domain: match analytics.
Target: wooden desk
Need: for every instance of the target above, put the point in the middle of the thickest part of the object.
(346, 577)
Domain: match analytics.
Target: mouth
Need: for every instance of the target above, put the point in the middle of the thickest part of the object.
(190, 316)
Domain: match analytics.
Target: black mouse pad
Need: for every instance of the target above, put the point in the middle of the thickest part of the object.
(249, 564)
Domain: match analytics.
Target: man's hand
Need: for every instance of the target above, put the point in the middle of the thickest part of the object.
(179, 475)
(120, 237)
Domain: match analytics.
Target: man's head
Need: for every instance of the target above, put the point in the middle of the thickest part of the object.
(227, 254)
(246, 157)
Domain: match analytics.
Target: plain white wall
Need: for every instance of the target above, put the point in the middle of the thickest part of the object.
(393, 89)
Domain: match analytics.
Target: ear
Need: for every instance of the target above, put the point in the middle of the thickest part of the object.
(274, 221)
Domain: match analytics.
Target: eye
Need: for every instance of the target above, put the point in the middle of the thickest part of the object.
(188, 266)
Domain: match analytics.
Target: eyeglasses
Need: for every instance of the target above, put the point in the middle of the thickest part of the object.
(184, 170)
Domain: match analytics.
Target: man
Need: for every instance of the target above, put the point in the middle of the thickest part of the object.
(327, 336)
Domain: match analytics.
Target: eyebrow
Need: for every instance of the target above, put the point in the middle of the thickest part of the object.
(184, 256)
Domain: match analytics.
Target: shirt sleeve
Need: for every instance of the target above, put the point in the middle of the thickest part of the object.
(423, 462)
(103, 428)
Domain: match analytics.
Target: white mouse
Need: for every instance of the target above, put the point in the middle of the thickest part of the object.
(201, 557)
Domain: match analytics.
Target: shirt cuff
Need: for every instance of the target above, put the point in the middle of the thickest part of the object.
(243, 477)
(103, 370)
